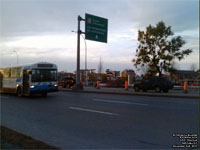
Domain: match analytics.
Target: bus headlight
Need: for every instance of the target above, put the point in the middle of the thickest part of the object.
(56, 85)
(32, 86)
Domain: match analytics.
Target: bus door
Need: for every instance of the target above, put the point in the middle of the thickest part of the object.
(26, 81)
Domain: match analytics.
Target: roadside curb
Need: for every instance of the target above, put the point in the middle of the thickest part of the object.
(134, 94)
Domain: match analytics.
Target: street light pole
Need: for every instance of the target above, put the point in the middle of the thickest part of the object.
(85, 60)
(17, 56)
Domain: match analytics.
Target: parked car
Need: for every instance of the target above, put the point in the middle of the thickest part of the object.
(154, 83)
(67, 82)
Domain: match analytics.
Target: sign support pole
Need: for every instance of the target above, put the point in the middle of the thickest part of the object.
(96, 29)
(78, 84)
(78, 54)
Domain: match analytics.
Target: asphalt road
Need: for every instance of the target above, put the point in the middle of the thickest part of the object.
(102, 121)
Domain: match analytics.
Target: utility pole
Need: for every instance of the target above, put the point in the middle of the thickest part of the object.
(86, 81)
(78, 84)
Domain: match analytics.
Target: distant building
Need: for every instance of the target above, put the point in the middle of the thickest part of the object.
(90, 74)
(182, 75)
(198, 74)
(62, 75)
(185, 74)
(128, 75)
(112, 75)
(126, 72)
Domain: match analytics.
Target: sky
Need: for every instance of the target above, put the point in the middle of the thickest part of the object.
(41, 31)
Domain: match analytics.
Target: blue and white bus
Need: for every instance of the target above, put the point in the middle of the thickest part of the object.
(38, 78)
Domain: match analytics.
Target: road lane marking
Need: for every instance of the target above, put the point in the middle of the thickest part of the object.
(90, 110)
(155, 106)
(112, 101)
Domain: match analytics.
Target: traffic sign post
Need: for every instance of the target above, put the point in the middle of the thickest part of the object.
(78, 83)
(96, 28)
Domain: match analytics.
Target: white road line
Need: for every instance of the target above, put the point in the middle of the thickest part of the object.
(120, 102)
(89, 110)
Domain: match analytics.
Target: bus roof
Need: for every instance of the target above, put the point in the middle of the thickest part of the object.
(42, 65)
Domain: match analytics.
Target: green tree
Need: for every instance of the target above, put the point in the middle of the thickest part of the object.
(158, 49)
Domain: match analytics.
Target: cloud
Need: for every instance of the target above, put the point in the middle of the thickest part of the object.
(41, 30)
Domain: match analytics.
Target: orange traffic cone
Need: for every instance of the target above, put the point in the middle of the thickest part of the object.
(185, 87)
(126, 85)
(98, 84)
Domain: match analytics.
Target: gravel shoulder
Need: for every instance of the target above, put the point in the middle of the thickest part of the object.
(11, 139)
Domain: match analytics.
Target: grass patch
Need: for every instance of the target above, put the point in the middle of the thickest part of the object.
(21, 140)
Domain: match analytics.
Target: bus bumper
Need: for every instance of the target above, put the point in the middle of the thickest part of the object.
(43, 89)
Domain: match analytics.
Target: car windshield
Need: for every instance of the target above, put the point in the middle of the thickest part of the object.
(44, 75)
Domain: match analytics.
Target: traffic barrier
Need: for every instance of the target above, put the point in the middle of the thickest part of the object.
(185, 87)
(98, 84)
(126, 85)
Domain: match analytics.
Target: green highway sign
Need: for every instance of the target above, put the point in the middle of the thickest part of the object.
(96, 28)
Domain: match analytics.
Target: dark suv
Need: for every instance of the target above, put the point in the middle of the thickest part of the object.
(154, 83)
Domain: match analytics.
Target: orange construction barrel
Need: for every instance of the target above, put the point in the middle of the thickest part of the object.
(126, 85)
(98, 84)
(185, 87)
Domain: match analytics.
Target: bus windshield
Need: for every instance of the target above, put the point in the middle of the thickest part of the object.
(44, 75)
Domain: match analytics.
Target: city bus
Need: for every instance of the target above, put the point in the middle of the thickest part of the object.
(38, 78)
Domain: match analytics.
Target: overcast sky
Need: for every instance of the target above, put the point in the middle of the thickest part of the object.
(40, 30)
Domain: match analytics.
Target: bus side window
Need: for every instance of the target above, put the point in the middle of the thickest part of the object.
(7, 73)
(15, 72)
(2, 73)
